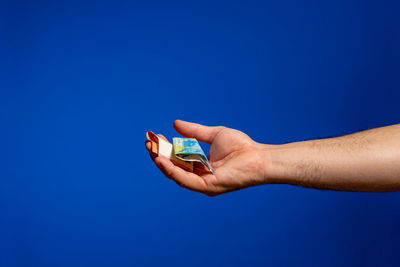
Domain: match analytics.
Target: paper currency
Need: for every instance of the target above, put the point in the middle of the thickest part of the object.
(189, 149)
(159, 146)
(183, 152)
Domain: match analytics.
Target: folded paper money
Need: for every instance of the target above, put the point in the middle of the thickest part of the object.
(183, 152)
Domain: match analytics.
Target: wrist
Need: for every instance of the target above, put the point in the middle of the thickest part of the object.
(281, 163)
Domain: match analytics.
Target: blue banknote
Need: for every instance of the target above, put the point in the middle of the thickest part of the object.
(189, 149)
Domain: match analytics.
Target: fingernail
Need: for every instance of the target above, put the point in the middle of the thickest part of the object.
(147, 144)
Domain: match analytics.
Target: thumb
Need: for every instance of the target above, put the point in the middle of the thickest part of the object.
(194, 130)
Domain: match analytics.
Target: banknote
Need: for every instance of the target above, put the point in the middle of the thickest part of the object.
(160, 146)
(183, 152)
(189, 149)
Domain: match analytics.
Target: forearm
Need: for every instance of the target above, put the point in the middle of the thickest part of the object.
(364, 161)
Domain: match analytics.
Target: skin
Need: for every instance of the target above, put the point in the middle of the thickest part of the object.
(364, 161)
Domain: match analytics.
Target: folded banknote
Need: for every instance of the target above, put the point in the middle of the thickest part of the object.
(183, 152)
(188, 149)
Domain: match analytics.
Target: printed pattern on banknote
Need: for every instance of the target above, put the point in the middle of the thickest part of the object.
(189, 149)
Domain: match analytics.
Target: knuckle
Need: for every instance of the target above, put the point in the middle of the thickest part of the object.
(169, 173)
(179, 183)
(219, 128)
(211, 194)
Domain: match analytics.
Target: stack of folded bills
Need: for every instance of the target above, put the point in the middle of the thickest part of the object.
(183, 152)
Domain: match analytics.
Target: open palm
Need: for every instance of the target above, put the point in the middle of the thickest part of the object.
(234, 157)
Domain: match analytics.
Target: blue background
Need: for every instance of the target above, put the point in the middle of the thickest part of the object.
(82, 81)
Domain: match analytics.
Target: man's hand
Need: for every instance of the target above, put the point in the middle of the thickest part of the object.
(363, 161)
(236, 159)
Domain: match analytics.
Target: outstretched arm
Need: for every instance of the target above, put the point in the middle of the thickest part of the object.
(364, 161)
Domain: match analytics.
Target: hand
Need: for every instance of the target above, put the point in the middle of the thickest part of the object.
(237, 160)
